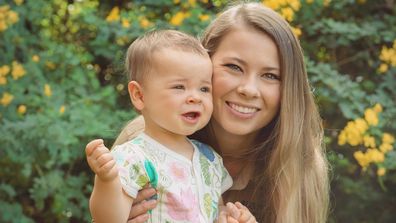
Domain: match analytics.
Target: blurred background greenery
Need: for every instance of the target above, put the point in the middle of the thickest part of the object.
(62, 84)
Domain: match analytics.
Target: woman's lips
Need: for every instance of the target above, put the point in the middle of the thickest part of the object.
(242, 111)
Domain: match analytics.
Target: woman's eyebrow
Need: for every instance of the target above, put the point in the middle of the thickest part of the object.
(237, 59)
(266, 68)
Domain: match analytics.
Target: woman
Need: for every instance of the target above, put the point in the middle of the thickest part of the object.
(265, 123)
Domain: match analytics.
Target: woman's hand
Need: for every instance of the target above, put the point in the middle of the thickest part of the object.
(141, 205)
(236, 213)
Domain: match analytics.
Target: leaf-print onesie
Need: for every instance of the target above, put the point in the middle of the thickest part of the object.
(188, 190)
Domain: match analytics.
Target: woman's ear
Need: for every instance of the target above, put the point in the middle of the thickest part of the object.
(136, 95)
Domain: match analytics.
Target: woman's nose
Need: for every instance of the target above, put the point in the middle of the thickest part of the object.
(248, 88)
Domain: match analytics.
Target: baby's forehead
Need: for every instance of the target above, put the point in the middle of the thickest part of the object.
(179, 63)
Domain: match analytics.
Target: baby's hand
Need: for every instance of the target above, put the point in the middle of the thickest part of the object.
(236, 213)
(100, 160)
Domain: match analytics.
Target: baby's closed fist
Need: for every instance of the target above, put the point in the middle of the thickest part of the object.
(100, 160)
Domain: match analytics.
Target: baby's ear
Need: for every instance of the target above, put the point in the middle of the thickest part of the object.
(136, 95)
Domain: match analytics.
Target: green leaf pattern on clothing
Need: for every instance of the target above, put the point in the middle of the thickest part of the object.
(208, 204)
(142, 180)
(138, 173)
(205, 169)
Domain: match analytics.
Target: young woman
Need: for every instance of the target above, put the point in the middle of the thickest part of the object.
(265, 123)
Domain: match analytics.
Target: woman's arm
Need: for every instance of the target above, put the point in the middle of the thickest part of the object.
(141, 205)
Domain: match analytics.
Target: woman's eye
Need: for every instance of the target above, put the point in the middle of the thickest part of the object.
(270, 76)
(179, 87)
(234, 67)
(205, 89)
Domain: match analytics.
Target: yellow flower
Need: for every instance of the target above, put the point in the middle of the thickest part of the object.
(377, 108)
(369, 141)
(381, 171)
(204, 17)
(374, 155)
(3, 80)
(388, 138)
(342, 138)
(47, 90)
(18, 2)
(176, 1)
(326, 3)
(383, 68)
(144, 22)
(62, 109)
(114, 15)
(3, 25)
(287, 13)
(21, 109)
(361, 158)
(361, 125)
(4, 9)
(177, 19)
(204, 1)
(35, 58)
(296, 31)
(6, 99)
(385, 147)
(371, 117)
(125, 23)
(12, 17)
(192, 2)
(274, 4)
(387, 55)
(50, 65)
(17, 70)
(295, 4)
(353, 132)
(4, 70)
(309, 1)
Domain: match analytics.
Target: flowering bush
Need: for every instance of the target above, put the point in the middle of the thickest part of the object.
(62, 84)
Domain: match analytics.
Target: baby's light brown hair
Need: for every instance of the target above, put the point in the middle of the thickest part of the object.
(139, 58)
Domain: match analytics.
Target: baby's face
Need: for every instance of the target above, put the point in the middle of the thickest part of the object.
(178, 92)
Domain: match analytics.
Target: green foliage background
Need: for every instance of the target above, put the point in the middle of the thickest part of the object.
(73, 90)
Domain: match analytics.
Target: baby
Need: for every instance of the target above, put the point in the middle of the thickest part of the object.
(170, 85)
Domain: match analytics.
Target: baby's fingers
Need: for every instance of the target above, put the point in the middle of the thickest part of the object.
(233, 211)
(99, 151)
(104, 159)
(91, 146)
(222, 217)
(106, 167)
(246, 216)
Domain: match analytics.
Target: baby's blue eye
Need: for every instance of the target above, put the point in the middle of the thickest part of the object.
(179, 87)
(205, 89)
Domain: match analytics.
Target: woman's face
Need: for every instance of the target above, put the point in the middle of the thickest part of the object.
(246, 82)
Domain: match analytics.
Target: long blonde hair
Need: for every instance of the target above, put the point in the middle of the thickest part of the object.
(291, 171)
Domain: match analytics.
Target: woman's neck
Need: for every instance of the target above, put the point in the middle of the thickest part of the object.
(231, 146)
(236, 150)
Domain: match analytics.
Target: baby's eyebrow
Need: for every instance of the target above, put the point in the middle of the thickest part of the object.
(207, 82)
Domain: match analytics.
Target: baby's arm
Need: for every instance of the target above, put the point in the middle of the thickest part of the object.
(108, 202)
